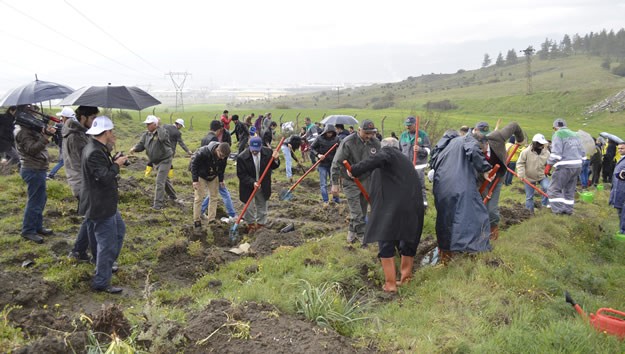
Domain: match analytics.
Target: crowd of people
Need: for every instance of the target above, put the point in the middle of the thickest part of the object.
(382, 179)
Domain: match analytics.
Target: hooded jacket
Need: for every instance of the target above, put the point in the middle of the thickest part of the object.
(322, 144)
(74, 141)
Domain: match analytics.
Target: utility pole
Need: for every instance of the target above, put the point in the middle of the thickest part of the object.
(178, 78)
(338, 94)
(528, 60)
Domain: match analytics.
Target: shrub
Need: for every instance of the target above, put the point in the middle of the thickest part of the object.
(383, 105)
(619, 70)
(444, 105)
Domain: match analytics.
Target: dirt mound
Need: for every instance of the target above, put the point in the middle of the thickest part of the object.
(512, 214)
(26, 289)
(110, 319)
(254, 328)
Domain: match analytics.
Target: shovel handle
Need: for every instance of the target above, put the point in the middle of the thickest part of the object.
(416, 142)
(528, 183)
(257, 186)
(357, 181)
(312, 168)
(491, 175)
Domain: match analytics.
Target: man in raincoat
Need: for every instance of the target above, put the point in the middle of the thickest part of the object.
(395, 222)
(462, 221)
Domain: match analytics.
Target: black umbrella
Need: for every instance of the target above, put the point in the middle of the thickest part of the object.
(36, 91)
(111, 97)
(339, 119)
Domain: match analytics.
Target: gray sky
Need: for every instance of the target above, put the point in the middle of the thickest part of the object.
(275, 42)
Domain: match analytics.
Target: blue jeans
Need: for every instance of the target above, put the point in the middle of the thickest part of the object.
(507, 180)
(324, 175)
(287, 158)
(109, 234)
(493, 204)
(583, 176)
(56, 168)
(85, 240)
(621, 215)
(37, 198)
(529, 194)
(225, 196)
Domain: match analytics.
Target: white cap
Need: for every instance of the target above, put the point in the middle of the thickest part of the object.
(67, 112)
(150, 119)
(539, 138)
(180, 121)
(100, 124)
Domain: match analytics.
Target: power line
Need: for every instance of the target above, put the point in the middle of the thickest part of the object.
(111, 36)
(59, 53)
(71, 39)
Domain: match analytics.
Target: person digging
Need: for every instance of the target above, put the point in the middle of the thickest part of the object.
(397, 210)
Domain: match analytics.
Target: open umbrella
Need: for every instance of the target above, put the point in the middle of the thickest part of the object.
(339, 119)
(35, 91)
(122, 97)
(612, 137)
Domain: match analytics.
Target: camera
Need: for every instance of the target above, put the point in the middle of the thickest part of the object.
(120, 154)
(26, 118)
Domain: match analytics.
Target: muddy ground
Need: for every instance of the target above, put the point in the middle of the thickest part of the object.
(52, 318)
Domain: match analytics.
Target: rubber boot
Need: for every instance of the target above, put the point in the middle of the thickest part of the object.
(170, 174)
(406, 269)
(148, 170)
(388, 265)
(494, 232)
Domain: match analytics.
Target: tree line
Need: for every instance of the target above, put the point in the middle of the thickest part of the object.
(607, 44)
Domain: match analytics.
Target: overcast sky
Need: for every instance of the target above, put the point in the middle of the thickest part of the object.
(274, 42)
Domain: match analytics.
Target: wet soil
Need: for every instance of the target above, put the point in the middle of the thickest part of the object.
(256, 327)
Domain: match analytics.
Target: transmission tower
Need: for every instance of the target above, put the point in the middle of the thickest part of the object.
(178, 78)
(528, 60)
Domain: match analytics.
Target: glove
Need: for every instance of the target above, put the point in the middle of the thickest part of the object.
(547, 170)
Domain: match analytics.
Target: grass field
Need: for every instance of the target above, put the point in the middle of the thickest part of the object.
(509, 300)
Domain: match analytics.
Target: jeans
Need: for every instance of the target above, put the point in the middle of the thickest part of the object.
(324, 175)
(621, 215)
(583, 176)
(287, 158)
(529, 194)
(37, 198)
(109, 234)
(507, 180)
(225, 196)
(56, 168)
(493, 204)
(85, 240)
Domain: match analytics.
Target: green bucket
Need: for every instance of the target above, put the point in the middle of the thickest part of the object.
(600, 187)
(619, 236)
(587, 197)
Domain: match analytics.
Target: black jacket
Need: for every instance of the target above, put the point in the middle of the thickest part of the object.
(267, 138)
(98, 194)
(211, 136)
(247, 173)
(205, 163)
(241, 131)
(322, 144)
(7, 125)
(295, 141)
(396, 198)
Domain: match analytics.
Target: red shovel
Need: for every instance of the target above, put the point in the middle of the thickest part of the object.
(496, 182)
(233, 231)
(357, 181)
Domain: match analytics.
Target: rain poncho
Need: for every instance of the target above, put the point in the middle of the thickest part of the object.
(462, 223)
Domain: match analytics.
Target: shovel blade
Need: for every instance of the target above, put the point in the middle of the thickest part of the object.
(234, 233)
(286, 195)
